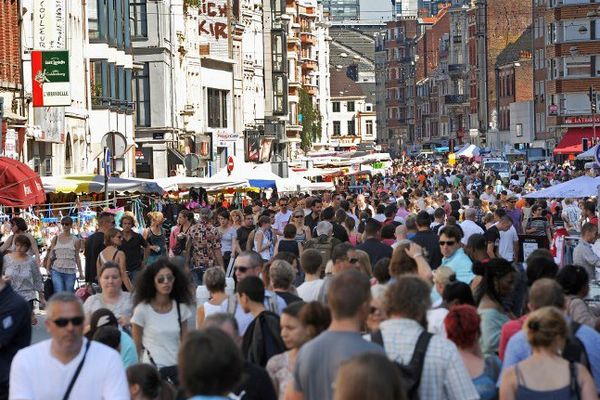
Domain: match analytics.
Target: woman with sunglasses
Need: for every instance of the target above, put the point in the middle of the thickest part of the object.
(113, 238)
(62, 259)
(302, 231)
(18, 226)
(112, 296)
(160, 317)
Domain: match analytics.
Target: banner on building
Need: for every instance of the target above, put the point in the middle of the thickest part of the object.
(212, 26)
(10, 145)
(258, 147)
(49, 124)
(50, 78)
(49, 24)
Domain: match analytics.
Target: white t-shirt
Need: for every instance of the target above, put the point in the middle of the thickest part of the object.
(469, 228)
(281, 220)
(309, 291)
(161, 335)
(36, 374)
(506, 248)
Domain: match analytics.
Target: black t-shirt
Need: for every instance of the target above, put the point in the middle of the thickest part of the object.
(430, 242)
(375, 249)
(133, 251)
(242, 236)
(288, 297)
(15, 331)
(255, 383)
(311, 222)
(340, 233)
(290, 246)
(93, 247)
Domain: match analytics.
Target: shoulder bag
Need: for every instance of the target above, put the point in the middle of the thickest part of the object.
(77, 371)
(170, 373)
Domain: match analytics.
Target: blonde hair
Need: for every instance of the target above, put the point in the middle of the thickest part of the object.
(155, 216)
(365, 262)
(544, 326)
(444, 275)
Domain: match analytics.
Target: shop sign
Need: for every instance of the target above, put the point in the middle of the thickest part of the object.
(50, 78)
(258, 147)
(377, 165)
(212, 25)
(224, 138)
(582, 120)
(49, 24)
(49, 124)
(10, 146)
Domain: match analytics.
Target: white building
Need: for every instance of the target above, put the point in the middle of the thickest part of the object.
(322, 76)
(57, 137)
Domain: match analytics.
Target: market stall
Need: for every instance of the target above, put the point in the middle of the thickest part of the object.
(95, 184)
(583, 186)
(20, 186)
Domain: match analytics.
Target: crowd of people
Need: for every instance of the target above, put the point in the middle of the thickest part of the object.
(411, 285)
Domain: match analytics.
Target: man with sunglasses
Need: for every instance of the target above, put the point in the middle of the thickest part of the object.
(282, 218)
(95, 244)
(453, 254)
(67, 365)
(249, 263)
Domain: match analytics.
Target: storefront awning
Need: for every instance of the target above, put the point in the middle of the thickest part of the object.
(571, 141)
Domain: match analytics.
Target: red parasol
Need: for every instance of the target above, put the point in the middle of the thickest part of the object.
(20, 186)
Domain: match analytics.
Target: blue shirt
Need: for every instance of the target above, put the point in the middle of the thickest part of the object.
(518, 349)
(461, 264)
(128, 350)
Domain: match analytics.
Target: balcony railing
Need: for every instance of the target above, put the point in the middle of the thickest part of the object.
(457, 70)
(456, 99)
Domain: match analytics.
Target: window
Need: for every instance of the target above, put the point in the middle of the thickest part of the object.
(337, 128)
(578, 66)
(350, 106)
(138, 19)
(279, 47)
(98, 20)
(100, 83)
(351, 128)
(141, 92)
(519, 129)
(369, 128)
(279, 94)
(217, 108)
(128, 93)
(336, 106)
(93, 27)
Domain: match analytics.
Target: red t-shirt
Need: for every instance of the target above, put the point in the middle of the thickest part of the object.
(594, 220)
(509, 329)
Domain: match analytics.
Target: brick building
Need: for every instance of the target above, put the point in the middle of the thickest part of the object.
(566, 55)
(10, 70)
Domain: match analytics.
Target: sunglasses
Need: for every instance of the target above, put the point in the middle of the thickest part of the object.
(62, 322)
(165, 278)
(65, 224)
(298, 216)
(354, 260)
(243, 269)
(447, 243)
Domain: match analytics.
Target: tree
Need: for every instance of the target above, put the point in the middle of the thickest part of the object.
(311, 121)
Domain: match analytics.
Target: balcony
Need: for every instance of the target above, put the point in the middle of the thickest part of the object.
(308, 38)
(457, 70)
(309, 64)
(456, 99)
(311, 89)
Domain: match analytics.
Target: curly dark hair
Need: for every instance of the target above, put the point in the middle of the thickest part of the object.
(145, 289)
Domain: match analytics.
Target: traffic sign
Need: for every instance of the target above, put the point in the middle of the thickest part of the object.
(107, 159)
(230, 164)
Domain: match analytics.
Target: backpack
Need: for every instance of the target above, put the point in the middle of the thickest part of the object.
(410, 373)
(574, 350)
(324, 246)
(232, 302)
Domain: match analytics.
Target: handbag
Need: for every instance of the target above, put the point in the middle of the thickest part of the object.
(169, 373)
(77, 371)
(48, 288)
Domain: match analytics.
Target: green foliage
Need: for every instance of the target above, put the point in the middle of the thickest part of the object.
(311, 120)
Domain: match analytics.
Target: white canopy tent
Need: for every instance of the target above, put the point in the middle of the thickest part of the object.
(583, 186)
(589, 154)
(468, 151)
(209, 184)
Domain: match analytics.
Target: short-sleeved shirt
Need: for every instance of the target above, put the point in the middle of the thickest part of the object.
(204, 239)
(122, 308)
(492, 235)
(93, 247)
(242, 234)
(318, 361)
(162, 333)
(133, 251)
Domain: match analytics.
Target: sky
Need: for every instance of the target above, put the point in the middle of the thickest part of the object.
(375, 10)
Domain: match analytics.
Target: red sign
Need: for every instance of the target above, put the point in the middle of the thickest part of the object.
(230, 164)
(582, 120)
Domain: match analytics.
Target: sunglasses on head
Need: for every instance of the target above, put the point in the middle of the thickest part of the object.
(62, 322)
(447, 243)
(165, 278)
